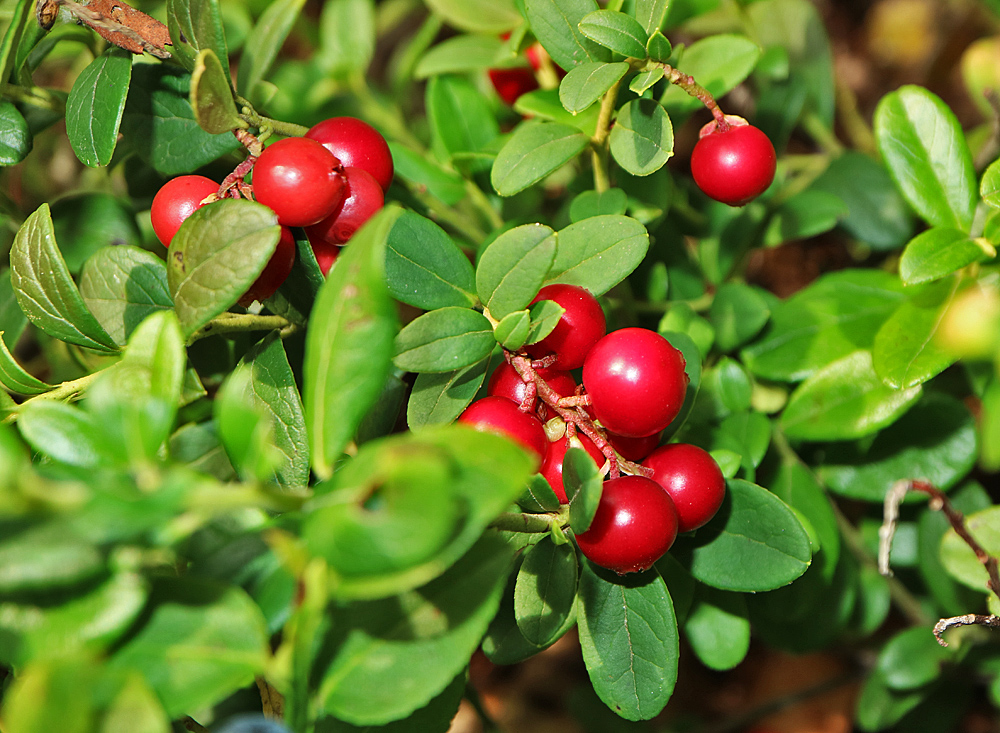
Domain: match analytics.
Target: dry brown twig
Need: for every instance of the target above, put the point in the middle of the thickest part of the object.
(938, 502)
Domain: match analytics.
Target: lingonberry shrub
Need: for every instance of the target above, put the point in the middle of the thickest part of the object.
(692, 478)
(733, 162)
(356, 144)
(176, 200)
(300, 180)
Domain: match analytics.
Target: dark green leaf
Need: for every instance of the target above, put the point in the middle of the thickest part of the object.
(717, 628)
(196, 25)
(437, 399)
(461, 119)
(925, 150)
(95, 105)
(718, 62)
(658, 48)
(599, 252)
(628, 633)
(796, 486)
(545, 316)
(532, 152)
(264, 43)
(487, 16)
(938, 252)
(216, 255)
(645, 80)
(747, 433)
(936, 440)
(738, 313)
(583, 483)
(616, 31)
(458, 55)
(349, 343)
(513, 329)
(46, 292)
(555, 24)
(443, 340)
(989, 187)
(513, 267)
(804, 215)
(912, 658)
(89, 222)
(753, 544)
(587, 83)
(123, 285)
(612, 202)
(539, 497)
(642, 139)
(445, 185)
(545, 591)
(212, 95)
(15, 138)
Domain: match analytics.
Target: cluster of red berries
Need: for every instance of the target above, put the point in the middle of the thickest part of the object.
(331, 182)
(733, 162)
(634, 384)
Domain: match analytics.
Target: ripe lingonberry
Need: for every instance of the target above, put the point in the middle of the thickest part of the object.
(579, 328)
(176, 201)
(364, 198)
(275, 272)
(506, 382)
(552, 465)
(692, 478)
(636, 382)
(501, 416)
(734, 165)
(325, 253)
(635, 524)
(634, 449)
(300, 180)
(512, 83)
(356, 144)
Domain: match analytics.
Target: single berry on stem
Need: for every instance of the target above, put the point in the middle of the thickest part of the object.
(733, 162)
(300, 180)
(501, 416)
(634, 526)
(692, 478)
(579, 328)
(275, 271)
(552, 466)
(356, 144)
(176, 200)
(363, 200)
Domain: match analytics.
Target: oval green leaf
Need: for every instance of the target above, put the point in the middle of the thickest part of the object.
(938, 252)
(513, 267)
(95, 105)
(195, 25)
(599, 252)
(513, 329)
(718, 62)
(989, 187)
(587, 83)
(532, 152)
(642, 139)
(15, 138)
(264, 42)
(555, 24)
(443, 340)
(424, 268)
(438, 398)
(616, 31)
(545, 591)
(212, 95)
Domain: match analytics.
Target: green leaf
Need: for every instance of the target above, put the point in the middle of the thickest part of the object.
(938, 252)
(200, 642)
(461, 119)
(960, 560)
(46, 292)
(154, 361)
(628, 633)
(443, 340)
(906, 352)
(797, 486)
(599, 252)
(534, 151)
(754, 543)
(46, 558)
(62, 432)
(513, 329)
(264, 43)
(804, 215)
(513, 267)
(136, 706)
(347, 30)
(911, 659)
(717, 628)
(642, 139)
(15, 138)
(14, 378)
(587, 83)
(87, 223)
(925, 151)
(438, 398)
(349, 343)
(658, 48)
(446, 185)
(458, 55)
(836, 315)
(545, 591)
(486, 16)
(989, 187)
(539, 497)
(196, 25)
(435, 716)
(583, 483)
(936, 440)
(616, 31)
(738, 313)
(612, 202)
(425, 268)
(378, 644)
(123, 285)
(645, 80)
(843, 401)
(159, 123)
(650, 14)
(555, 24)
(216, 255)
(95, 106)
(212, 95)
(303, 283)
(21, 18)
(718, 62)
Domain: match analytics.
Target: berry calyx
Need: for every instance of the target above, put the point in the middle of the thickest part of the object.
(364, 198)
(506, 382)
(733, 165)
(275, 271)
(500, 416)
(300, 180)
(176, 200)
(634, 526)
(552, 465)
(693, 480)
(636, 382)
(579, 328)
(356, 144)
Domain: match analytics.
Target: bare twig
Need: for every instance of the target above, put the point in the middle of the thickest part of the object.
(115, 21)
(969, 619)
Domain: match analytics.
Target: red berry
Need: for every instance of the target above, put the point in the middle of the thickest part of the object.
(636, 382)
(512, 83)
(325, 253)
(733, 166)
(300, 180)
(176, 201)
(581, 326)
(692, 478)
(501, 416)
(634, 449)
(275, 271)
(635, 524)
(506, 382)
(356, 145)
(552, 465)
(364, 198)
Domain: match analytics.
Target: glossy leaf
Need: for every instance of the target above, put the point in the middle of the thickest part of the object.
(936, 440)
(616, 31)
(154, 362)
(658, 48)
(462, 122)
(264, 43)
(439, 398)
(612, 202)
(912, 658)
(545, 316)
(717, 628)
(15, 138)
(425, 268)
(544, 104)
(642, 139)
(62, 432)
(196, 25)
(443, 340)
(545, 591)
(14, 378)
(754, 543)
(216, 255)
(738, 313)
(555, 24)
(513, 329)
(348, 343)
(599, 252)
(123, 285)
(534, 151)
(650, 13)
(628, 633)
(513, 267)
(95, 106)
(925, 150)
(88, 223)
(747, 433)
(459, 54)
(46, 292)
(938, 252)
(583, 482)
(989, 187)
(212, 95)
(487, 16)
(718, 62)
(645, 80)
(587, 83)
